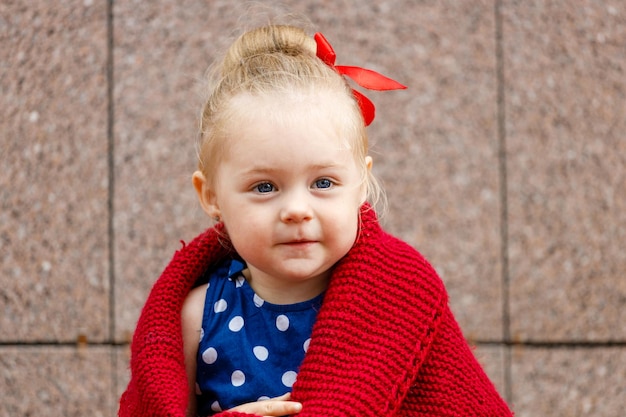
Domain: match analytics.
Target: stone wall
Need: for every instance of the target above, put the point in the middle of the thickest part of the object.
(504, 163)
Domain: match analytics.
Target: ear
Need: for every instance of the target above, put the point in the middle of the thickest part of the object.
(206, 195)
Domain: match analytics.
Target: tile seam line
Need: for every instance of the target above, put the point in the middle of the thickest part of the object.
(111, 196)
(551, 344)
(531, 344)
(503, 190)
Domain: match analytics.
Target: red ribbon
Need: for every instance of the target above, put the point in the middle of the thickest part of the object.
(365, 78)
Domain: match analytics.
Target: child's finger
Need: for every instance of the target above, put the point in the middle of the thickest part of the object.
(284, 397)
(275, 407)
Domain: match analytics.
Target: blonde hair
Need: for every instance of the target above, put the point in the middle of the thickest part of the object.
(269, 61)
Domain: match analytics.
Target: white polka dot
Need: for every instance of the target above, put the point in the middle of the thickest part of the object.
(209, 356)
(289, 378)
(235, 324)
(240, 281)
(282, 322)
(260, 352)
(263, 398)
(220, 306)
(216, 407)
(306, 344)
(238, 378)
(258, 301)
(201, 334)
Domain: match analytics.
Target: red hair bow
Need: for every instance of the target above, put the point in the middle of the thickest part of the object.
(365, 78)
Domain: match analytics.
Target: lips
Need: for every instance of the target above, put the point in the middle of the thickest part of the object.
(299, 243)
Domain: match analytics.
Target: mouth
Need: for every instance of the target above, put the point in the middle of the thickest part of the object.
(299, 243)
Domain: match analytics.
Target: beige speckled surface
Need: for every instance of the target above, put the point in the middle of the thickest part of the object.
(54, 180)
(158, 67)
(56, 381)
(569, 382)
(566, 118)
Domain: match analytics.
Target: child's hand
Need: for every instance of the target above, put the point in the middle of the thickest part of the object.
(274, 407)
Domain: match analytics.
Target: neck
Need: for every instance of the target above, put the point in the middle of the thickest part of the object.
(277, 291)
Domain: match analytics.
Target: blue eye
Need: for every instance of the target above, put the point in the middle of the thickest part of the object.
(323, 183)
(264, 188)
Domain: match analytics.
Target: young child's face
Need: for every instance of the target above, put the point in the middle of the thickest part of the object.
(289, 195)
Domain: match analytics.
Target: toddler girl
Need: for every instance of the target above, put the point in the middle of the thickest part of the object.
(297, 290)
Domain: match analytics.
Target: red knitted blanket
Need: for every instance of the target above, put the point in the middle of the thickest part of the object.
(385, 342)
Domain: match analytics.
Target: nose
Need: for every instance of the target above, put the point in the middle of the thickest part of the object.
(296, 209)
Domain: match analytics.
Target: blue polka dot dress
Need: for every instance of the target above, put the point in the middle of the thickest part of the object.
(249, 349)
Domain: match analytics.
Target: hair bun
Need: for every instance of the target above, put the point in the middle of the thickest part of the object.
(272, 39)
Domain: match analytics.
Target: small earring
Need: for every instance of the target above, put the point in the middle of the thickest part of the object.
(217, 219)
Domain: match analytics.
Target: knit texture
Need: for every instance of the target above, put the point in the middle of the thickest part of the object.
(385, 342)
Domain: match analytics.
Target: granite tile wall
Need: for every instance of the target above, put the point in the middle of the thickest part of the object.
(504, 163)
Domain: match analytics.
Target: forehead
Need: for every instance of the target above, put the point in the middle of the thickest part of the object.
(288, 137)
(317, 109)
(296, 142)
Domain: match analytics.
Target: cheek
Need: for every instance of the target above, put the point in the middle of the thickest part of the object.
(346, 230)
(245, 230)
